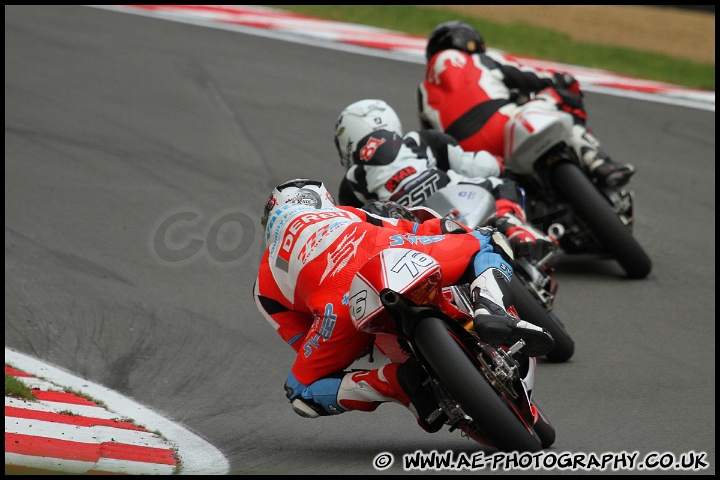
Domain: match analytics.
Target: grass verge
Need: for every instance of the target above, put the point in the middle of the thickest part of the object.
(524, 40)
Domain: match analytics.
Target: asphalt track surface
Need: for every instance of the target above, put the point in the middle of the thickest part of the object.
(120, 128)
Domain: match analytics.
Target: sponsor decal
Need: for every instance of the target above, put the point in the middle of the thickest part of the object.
(337, 259)
(309, 197)
(327, 324)
(420, 192)
(393, 183)
(316, 239)
(368, 151)
(295, 228)
(400, 239)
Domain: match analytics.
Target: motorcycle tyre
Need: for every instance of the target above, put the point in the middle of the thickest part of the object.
(597, 213)
(544, 429)
(454, 366)
(530, 310)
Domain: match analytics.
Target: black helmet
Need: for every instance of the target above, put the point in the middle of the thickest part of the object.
(390, 209)
(457, 35)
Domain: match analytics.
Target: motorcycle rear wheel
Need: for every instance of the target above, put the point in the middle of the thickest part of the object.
(598, 215)
(530, 310)
(453, 364)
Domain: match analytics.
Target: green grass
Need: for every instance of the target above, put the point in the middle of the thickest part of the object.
(15, 388)
(524, 40)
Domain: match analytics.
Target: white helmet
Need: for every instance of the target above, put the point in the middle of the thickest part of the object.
(300, 190)
(359, 120)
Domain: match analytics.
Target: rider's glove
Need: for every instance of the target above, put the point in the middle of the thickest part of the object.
(449, 226)
(499, 242)
(568, 82)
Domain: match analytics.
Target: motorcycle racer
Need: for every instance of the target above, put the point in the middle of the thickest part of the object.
(314, 248)
(470, 94)
(383, 163)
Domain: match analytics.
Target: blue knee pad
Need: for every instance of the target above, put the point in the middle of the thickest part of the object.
(487, 257)
(321, 395)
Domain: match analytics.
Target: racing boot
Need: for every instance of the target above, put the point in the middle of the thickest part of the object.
(402, 383)
(490, 292)
(526, 240)
(606, 172)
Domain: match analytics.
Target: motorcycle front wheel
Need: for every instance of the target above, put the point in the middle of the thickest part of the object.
(530, 310)
(458, 371)
(544, 429)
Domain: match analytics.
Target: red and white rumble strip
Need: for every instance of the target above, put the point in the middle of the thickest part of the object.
(65, 432)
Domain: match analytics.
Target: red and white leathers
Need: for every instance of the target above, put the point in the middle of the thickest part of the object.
(302, 285)
(471, 98)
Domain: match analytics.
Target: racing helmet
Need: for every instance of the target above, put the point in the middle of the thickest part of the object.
(390, 209)
(359, 120)
(300, 190)
(454, 35)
